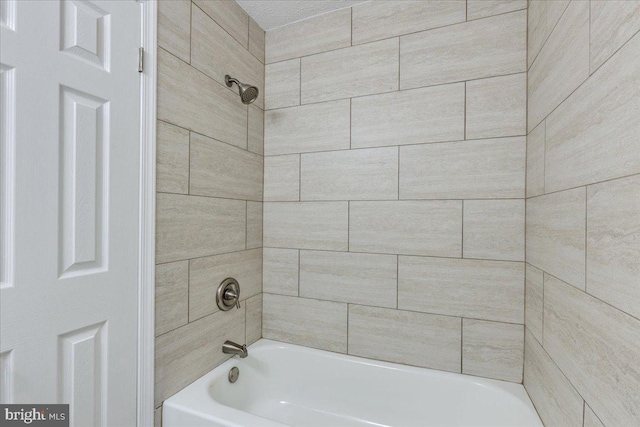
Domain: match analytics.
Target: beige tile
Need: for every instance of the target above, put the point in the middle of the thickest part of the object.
(492, 349)
(535, 160)
(172, 158)
(593, 135)
(489, 290)
(318, 34)
(562, 65)
(187, 353)
(256, 40)
(596, 346)
(216, 53)
(612, 24)
(280, 271)
(383, 334)
(308, 322)
(369, 174)
(590, 418)
(282, 84)
(256, 130)
(555, 237)
(205, 274)
(613, 237)
(543, 16)
(409, 117)
(368, 279)
(254, 225)
(383, 19)
(174, 27)
(311, 225)
(489, 168)
(191, 100)
(431, 227)
(282, 178)
(483, 8)
(493, 229)
(254, 318)
(352, 71)
(471, 50)
(172, 296)
(533, 305)
(192, 226)
(221, 170)
(497, 107)
(157, 417)
(317, 127)
(555, 399)
(230, 16)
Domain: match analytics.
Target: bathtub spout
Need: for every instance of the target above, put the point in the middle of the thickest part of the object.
(229, 347)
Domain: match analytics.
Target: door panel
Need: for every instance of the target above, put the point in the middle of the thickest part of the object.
(70, 157)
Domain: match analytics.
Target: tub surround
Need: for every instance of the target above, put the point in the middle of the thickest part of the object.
(395, 184)
(209, 183)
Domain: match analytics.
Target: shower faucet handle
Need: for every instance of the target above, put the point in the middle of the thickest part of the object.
(228, 294)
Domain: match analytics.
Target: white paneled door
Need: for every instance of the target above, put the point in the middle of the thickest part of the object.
(69, 110)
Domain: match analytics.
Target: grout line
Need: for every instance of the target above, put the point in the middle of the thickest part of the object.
(209, 256)
(584, 185)
(383, 200)
(544, 43)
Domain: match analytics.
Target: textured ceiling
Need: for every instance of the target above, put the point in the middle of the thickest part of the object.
(270, 14)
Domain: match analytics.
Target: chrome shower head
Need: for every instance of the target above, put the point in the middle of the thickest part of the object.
(248, 93)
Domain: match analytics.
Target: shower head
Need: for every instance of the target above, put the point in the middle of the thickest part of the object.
(248, 93)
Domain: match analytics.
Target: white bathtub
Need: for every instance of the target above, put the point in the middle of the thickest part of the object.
(288, 385)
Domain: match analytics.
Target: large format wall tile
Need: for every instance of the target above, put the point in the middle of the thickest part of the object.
(533, 305)
(254, 319)
(555, 235)
(174, 27)
(489, 290)
(254, 224)
(310, 225)
(368, 174)
(431, 227)
(318, 127)
(319, 34)
(490, 168)
(612, 24)
(172, 296)
(471, 50)
(255, 142)
(172, 159)
(613, 243)
(187, 353)
(282, 178)
(593, 135)
(353, 71)
(596, 346)
(493, 229)
(192, 226)
(543, 16)
(562, 65)
(282, 84)
(590, 418)
(383, 19)
(308, 322)
(383, 334)
(409, 117)
(492, 349)
(555, 399)
(280, 271)
(482, 8)
(535, 160)
(221, 170)
(368, 279)
(216, 53)
(205, 274)
(256, 40)
(196, 102)
(497, 107)
(230, 16)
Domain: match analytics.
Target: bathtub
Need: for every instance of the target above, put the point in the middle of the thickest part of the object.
(288, 385)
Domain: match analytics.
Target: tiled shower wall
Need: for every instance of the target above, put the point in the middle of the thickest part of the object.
(395, 183)
(582, 350)
(209, 183)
